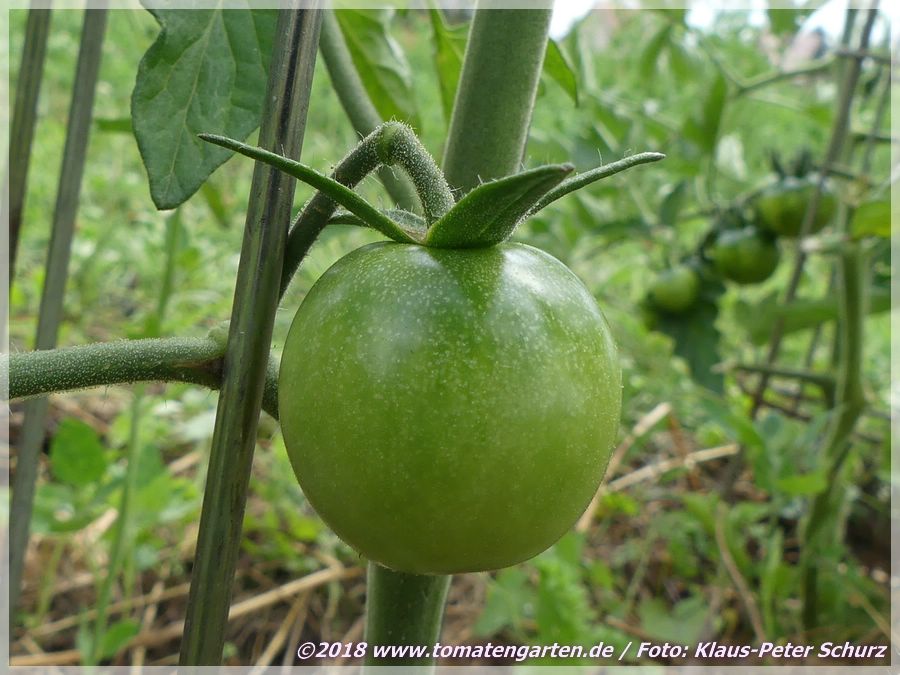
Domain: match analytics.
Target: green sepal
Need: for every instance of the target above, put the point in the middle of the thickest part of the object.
(489, 213)
(411, 223)
(328, 186)
(582, 179)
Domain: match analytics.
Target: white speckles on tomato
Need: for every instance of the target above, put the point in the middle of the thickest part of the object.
(473, 393)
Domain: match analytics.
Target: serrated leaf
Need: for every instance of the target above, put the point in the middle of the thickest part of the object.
(381, 63)
(449, 48)
(558, 68)
(872, 219)
(206, 71)
(488, 214)
(76, 455)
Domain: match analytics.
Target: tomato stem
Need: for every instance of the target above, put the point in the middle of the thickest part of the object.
(193, 360)
(355, 100)
(403, 610)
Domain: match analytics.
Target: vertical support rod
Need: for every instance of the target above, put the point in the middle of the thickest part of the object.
(24, 120)
(249, 338)
(50, 315)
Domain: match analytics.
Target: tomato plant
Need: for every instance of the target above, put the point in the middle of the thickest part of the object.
(745, 256)
(782, 206)
(449, 410)
(675, 290)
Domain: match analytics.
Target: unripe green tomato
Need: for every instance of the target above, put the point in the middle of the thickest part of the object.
(675, 290)
(446, 410)
(781, 208)
(745, 256)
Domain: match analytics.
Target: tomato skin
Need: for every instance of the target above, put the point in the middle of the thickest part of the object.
(675, 290)
(745, 256)
(449, 411)
(781, 208)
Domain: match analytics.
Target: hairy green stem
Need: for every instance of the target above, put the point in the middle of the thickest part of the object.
(496, 93)
(192, 360)
(823, 526)
(249, 340)
(50, 314)
(403, 609)
(391, 143)
(357, 104)
(21, 133)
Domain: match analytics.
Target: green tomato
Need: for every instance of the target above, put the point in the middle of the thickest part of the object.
(745, 256)
(448, 410)
(675, 290)
(780, 209)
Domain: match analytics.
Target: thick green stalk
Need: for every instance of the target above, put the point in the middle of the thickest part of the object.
(24, 119)
(496, 93)
(357, 104)
(250, 335)
(823, 525)
(403, 609)
(193, 360)
(50, 314)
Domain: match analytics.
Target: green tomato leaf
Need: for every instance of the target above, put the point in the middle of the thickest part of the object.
(558, 67)
(381, 63)
(76, 455)
(206, 71)
(449, 47)
(336, 191)
(488, 214)
(872, 219)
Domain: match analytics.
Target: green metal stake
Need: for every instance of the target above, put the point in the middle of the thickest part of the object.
(247, 353)
(57, 267)
(21, 132)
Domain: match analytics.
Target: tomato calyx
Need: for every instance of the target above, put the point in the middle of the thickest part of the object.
(485, 216)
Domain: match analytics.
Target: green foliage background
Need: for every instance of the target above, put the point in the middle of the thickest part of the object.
(652, 559)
